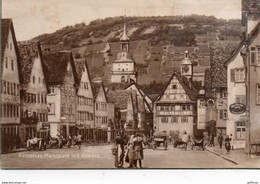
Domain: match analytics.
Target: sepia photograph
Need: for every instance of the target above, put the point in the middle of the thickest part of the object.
(130, 85)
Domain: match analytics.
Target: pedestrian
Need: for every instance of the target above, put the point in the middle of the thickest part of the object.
(185, 140)
(79, 140)
(212, 140)
(231, 141)
(227, 143)
(138, 150)
(205, 139)
(120, 148)
(220, 140)
(130, 152)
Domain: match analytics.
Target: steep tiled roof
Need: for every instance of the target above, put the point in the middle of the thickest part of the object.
(6, 26)
(56, 65)
(119, 97)
(79, 63)
(220, 52)
(208, 84)
(96, 87)
(189, 89)
(28, 51)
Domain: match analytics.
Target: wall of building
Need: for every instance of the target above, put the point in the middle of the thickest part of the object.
(124, 66)
(10, 94)
(235, 90)
(201, 117)
(116, 78)
(101, 110)
(54, 104)
(254, 106)
(85, 101)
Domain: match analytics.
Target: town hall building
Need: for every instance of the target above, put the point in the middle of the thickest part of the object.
(175, 108)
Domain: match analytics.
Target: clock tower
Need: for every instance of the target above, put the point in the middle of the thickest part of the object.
(123, 68)
(186, 67)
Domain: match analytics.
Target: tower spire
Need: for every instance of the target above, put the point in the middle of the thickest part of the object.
(124, 36)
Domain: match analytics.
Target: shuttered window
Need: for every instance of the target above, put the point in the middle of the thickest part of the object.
(221, 114)
(258, 93)
(253, 55)
(232, 75)
(258, 56)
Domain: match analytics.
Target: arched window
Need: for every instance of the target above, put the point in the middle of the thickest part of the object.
(123, 79)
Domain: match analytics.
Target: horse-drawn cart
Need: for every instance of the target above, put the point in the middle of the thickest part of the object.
(159, 139)
(36, 143)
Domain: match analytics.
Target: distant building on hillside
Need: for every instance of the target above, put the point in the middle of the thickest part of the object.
(123, 68)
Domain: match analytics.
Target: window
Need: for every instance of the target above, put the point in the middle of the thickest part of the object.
(6, 62)
(258, 94)
(164, 119)
(11, 88)
(223, 114)
(14, 89)
(174, 86)
(224, 94)
(39, 80)
(172, 107)
(240, 130)
(12, 65)
(11, 46)
(253, 55)
(5, 109)
(184, 119)
(4, 89)
(239, 75)
(183, 107)
(8, 89)
(166, 108)
(258, 56)
(202, 103)
(174, 119)
(33, 80)
(52, 89)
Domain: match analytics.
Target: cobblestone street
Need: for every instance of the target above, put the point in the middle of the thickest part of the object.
(100, 156)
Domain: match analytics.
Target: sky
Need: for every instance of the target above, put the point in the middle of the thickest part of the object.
(34, 17)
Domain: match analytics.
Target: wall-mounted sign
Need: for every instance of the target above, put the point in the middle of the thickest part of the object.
(237, 108)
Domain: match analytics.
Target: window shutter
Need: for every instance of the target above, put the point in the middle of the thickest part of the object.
(232, 75)
(253, 57)
(221, 114)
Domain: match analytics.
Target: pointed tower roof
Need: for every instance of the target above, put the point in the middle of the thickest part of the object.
(124, 36)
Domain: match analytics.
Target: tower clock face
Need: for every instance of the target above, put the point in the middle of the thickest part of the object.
(186, 68)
